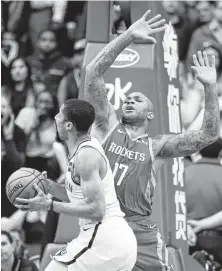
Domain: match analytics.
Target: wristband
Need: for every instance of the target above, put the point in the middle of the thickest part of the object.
(51, 206)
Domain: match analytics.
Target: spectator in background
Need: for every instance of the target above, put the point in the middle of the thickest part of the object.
(75, 26)
(18, 243)
(13, 144)
(9, 261)
(45, 14)
(69, 86)
(118, 22)
(204, 10)
(204, 201)
(80, 32)
(48, 65)
(9, 51)
(31, 224)
(210, 32)
(38, 124)
(15, 19)
(190, 11)
(19, 89)
(181, 24)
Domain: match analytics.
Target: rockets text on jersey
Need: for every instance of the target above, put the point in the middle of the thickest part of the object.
(132, 163)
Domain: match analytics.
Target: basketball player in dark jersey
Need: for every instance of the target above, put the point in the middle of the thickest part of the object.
(131, 151)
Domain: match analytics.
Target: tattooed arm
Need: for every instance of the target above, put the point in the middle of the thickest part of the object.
(168, 146)
(95, 90)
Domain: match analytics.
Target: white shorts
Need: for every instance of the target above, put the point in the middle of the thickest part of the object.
(110, 245)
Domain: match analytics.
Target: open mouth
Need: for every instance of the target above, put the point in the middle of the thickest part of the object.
(130, 108)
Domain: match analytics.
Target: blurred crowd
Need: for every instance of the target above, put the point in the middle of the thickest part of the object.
(42, 53)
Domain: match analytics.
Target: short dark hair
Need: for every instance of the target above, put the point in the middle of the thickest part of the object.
(8, 236)
(80, 113)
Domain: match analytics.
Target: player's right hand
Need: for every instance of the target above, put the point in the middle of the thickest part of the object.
(144, 27)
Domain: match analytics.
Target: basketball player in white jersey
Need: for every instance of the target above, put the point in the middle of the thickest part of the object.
(105, 242)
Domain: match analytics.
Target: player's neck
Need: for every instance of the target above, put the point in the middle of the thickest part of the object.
(74, 142)
(135, 130)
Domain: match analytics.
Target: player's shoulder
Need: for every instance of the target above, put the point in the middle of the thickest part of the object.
(87, 161)
(158, 142)
(88, 155)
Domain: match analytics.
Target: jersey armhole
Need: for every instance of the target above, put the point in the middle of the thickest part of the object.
(151, 153)
(151, 149)
(109, 133)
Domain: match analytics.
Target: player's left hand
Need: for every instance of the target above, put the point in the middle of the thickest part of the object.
(39, 202)
(204, 70)
(197, 225)
(145, 27)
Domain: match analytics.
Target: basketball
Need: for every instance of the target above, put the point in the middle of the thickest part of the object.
(20, 184)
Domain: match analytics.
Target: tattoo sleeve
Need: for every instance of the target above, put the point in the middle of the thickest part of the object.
(95, 93)
(100, 64)
(95, 89)
(168, 146)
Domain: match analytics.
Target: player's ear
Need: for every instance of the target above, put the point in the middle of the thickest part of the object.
(69, 126)
(150, 115)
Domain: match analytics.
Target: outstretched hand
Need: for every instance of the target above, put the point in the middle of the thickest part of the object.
(144, 27)
(203, 69)
(38, 203)
(197, 225)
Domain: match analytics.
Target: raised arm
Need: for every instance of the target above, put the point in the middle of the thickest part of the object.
(176, 145)
(95, 90)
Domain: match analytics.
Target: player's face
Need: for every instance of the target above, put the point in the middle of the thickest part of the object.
(60, 125)
(5, 111)
(135, 107)
(7, 250)
(47, 42)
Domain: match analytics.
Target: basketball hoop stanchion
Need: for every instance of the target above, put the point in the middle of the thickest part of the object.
(152, 70)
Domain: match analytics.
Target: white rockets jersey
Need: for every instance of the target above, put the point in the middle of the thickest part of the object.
(74, 190)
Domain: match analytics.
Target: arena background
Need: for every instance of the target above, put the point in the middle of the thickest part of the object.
(153, 70)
